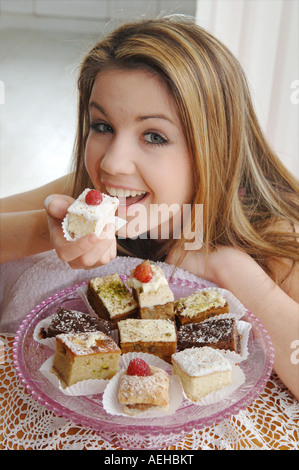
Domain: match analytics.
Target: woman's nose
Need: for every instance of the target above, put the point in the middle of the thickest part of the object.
(119, 157)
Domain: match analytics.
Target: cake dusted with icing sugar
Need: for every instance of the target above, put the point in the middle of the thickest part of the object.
(200, 306)
(201, 371)
(90, 213)
(156, 337)
(83, 356)
(152, 292)
(144, 390)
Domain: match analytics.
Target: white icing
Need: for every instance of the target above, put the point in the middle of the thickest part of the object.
(158, 280)
(88, 343)
(198, 362)
(94, 212)
(83, 218)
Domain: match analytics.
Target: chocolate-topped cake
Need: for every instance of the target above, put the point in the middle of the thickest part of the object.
(216, 333)
(70, 321)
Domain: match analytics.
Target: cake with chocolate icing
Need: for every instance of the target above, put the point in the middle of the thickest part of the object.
(200, 306)
(83, 356)
(72, 321)
(216, 333)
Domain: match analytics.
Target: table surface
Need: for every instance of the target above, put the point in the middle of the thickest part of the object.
(270, 422)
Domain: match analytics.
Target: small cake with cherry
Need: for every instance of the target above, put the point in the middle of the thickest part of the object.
(152, 292)
(143, 387)
(89, 213)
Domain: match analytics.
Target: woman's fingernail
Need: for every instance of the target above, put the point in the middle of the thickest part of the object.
(47, 201)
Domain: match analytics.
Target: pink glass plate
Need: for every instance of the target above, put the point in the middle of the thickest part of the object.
(132, 433)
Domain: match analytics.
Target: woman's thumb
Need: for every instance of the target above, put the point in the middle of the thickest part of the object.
(56, 205)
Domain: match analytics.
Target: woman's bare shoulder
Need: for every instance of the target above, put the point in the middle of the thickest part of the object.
(34, 199)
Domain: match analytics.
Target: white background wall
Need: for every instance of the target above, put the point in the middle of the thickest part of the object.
(42, 42)
(264, 35)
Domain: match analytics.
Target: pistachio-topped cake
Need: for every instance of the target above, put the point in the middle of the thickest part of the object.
(83, 356)
(110, 298)
(200, 306)
(156, 337)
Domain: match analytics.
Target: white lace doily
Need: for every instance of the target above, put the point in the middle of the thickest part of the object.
(270, 422)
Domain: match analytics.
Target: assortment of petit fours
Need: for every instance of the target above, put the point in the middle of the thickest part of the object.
(189, 334)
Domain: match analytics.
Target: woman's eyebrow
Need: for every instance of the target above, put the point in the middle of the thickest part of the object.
(93, 104)
(155, 116)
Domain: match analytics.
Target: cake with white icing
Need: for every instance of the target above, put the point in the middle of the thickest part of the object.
(83, 356)
(90, 213)
(200, 306)
(201, 371)
(152, 292)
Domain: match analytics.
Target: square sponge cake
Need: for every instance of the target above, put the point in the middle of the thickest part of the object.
(84, 217)
(156, 337)
(201, 371)
(200, 306)
(83, 356)
(110, 298)
(141, 393)
(153, 294)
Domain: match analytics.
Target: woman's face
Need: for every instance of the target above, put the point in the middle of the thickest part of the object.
(136, 149)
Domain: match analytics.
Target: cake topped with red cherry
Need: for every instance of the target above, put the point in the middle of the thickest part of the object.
(90, 213)
(151, 290)
(143, 387)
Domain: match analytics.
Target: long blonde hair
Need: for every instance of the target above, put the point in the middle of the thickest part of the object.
(239, 180)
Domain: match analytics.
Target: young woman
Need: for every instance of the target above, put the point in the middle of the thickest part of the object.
(165, 118)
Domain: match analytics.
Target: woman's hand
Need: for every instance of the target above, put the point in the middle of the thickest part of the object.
(87, 252)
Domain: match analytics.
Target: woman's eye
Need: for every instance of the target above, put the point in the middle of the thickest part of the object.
(154, 138)
(101, 127)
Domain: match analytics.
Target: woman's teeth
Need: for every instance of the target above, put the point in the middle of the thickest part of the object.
(120, 192)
